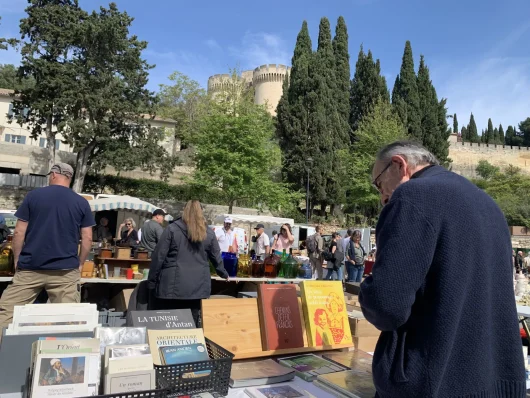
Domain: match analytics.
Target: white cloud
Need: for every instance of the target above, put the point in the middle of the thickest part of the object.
(212, 44)
(260, 48)
(496, 88)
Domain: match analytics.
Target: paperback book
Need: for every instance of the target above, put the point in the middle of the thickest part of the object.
(170, 338)
(277, 391)
(349, 383)
(308, 366)
(257, 373)
(161, 319)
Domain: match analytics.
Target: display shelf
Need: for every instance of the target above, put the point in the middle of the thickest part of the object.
(243, 279)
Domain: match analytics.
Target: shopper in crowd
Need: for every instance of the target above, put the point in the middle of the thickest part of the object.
(51, 221)
(4, 230)
(262, 244)
(274, 237)
(335, 259)
(519, 262)
(356, 256)
(102, 231)
(284, 241)
(315, 247)
(345, 244)
(226, 237)
(152, 231)
(526, 262)
(441, 266)
(179, 274)
(128, 236)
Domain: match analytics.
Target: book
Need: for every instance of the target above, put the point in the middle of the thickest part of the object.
(277, 391)
(356, 360)
(309, 366)
(129, 364)
(126, 351)
(128, 382)
(257, 373)
(161, 319)
(174, 355)
(119, 336)
(325, 314)
(62, 375)
(281, 326)
(170, 338)
(349, 383)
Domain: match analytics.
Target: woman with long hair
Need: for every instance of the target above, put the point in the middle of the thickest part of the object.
(180, 272)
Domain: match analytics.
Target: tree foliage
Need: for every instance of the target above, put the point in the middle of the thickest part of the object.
(486, 170)
(342, 71)
(472, 132)
(502, 140)
(455, 125)
(9, 78)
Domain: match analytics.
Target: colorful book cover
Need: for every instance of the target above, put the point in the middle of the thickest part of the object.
(356, 360)
(309, 366)
(325, 313)
(350, 383)
(171, 338)
(255, 373)
(183, 354)
(281, 326)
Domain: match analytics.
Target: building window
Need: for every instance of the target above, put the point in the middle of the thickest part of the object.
(42, 142)
(15, 139)
(10, 111)
(57, 143)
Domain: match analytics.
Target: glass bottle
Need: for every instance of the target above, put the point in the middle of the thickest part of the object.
(270, 266)
(7, 259)
(305, 271)
(257, 267)
(243, 269)
(281, 265)
(290, 266)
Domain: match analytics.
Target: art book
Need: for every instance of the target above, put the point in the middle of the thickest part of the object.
(258, 373)
(183, 354)
(309, 366)
(277, 391)
(349, 383)
(356, 360)
(120, 336)
(129, 382)
(281, 325)
(63, 375)
(325, 313)
(161, 319)
(170, 338)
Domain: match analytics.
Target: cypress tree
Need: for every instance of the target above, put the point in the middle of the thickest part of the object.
(472, 131)
(442, 138)
(405, 96)
(428, 108)
(465, 135)
(342, 65)
(510, 136)
(490, 139)
(455, 124)
(367, 87)
(496, 135)
(501, 134)
(292, 116)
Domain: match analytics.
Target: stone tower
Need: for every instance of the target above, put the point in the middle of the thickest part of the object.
(267, 81)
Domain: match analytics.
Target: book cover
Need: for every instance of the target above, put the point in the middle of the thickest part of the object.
(278, 391)
(120, 336)
(183, 354)
(356, 360)
(350, 383)
(129, 364)
(281, 326)
(325, 313)
(170, 338)
(309, 366)
(62, 375)
(255, 373)
(122, 351)
(129, 382)
(161, 319)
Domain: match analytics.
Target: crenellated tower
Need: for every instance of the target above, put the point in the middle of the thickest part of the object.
(267, 81)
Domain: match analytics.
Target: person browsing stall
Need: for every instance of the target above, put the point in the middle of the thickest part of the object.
(226, 237)
(152, 231)
(262, 244)
(284, 241)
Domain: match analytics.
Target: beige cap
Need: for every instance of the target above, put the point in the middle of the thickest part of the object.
(63, 169)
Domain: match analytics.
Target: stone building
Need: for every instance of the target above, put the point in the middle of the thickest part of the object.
(266, 80)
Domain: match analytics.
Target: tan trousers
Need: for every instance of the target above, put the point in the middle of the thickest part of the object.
(61, 286)
(316, 265)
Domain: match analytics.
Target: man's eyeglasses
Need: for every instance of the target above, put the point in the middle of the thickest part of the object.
(375, 182)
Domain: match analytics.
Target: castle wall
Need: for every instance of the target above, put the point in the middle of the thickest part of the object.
(268, 81)
(466, 155)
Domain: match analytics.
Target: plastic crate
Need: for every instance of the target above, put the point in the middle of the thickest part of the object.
(103, 317)
(138, 394)
(116, 319)
(173, 377)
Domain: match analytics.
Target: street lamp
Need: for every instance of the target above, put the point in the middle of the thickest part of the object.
(309, 162)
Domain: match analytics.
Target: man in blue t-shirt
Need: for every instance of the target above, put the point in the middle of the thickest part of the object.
(51, 221)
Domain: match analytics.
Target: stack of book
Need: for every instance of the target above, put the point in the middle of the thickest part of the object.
(172, 347)
(347, 384)
(128, 368)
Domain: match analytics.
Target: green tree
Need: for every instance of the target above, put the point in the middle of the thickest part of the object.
(184, 101)
(510, 136)
(9, 78)
(342, 71)
(465, 134)
(490, 136)
(368, 87)
(455, 124)
(524, 128)
(472, 131)
(405, 97)
(501, 135)
(49, 33)
(236, 154)
(486, 170)
(496, 135)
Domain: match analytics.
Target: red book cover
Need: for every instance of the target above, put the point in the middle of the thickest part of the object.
(281, 325)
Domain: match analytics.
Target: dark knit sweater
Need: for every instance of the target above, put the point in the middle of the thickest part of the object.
(441, 292)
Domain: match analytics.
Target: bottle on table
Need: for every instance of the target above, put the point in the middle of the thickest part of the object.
(257, 267)
(270, 265)
(291, 266)
(7, 259)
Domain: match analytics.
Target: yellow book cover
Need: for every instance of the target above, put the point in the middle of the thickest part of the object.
(326, 317)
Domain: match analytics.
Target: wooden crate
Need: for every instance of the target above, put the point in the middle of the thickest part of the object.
(123, 253)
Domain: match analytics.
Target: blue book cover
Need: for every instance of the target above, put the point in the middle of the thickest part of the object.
(183, 354)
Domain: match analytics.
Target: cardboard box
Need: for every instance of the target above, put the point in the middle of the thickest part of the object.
(360, 327)
(120, 302)
(366, 344)
(519, 231)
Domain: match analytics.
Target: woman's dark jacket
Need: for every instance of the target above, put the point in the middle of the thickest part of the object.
(179, 268)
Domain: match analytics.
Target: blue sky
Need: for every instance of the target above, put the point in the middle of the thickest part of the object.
(477, 51)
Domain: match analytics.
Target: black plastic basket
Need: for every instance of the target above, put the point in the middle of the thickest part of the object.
(173, 377)
(137, 394)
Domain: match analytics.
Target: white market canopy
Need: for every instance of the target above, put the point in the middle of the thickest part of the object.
(128, 203)
(244, 218)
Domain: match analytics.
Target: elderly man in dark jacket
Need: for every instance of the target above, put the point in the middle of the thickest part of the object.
(179, 274)
(441, 289)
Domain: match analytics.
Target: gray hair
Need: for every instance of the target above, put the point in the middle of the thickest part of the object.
(131, 221)
(349, 232)
(414, 153)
